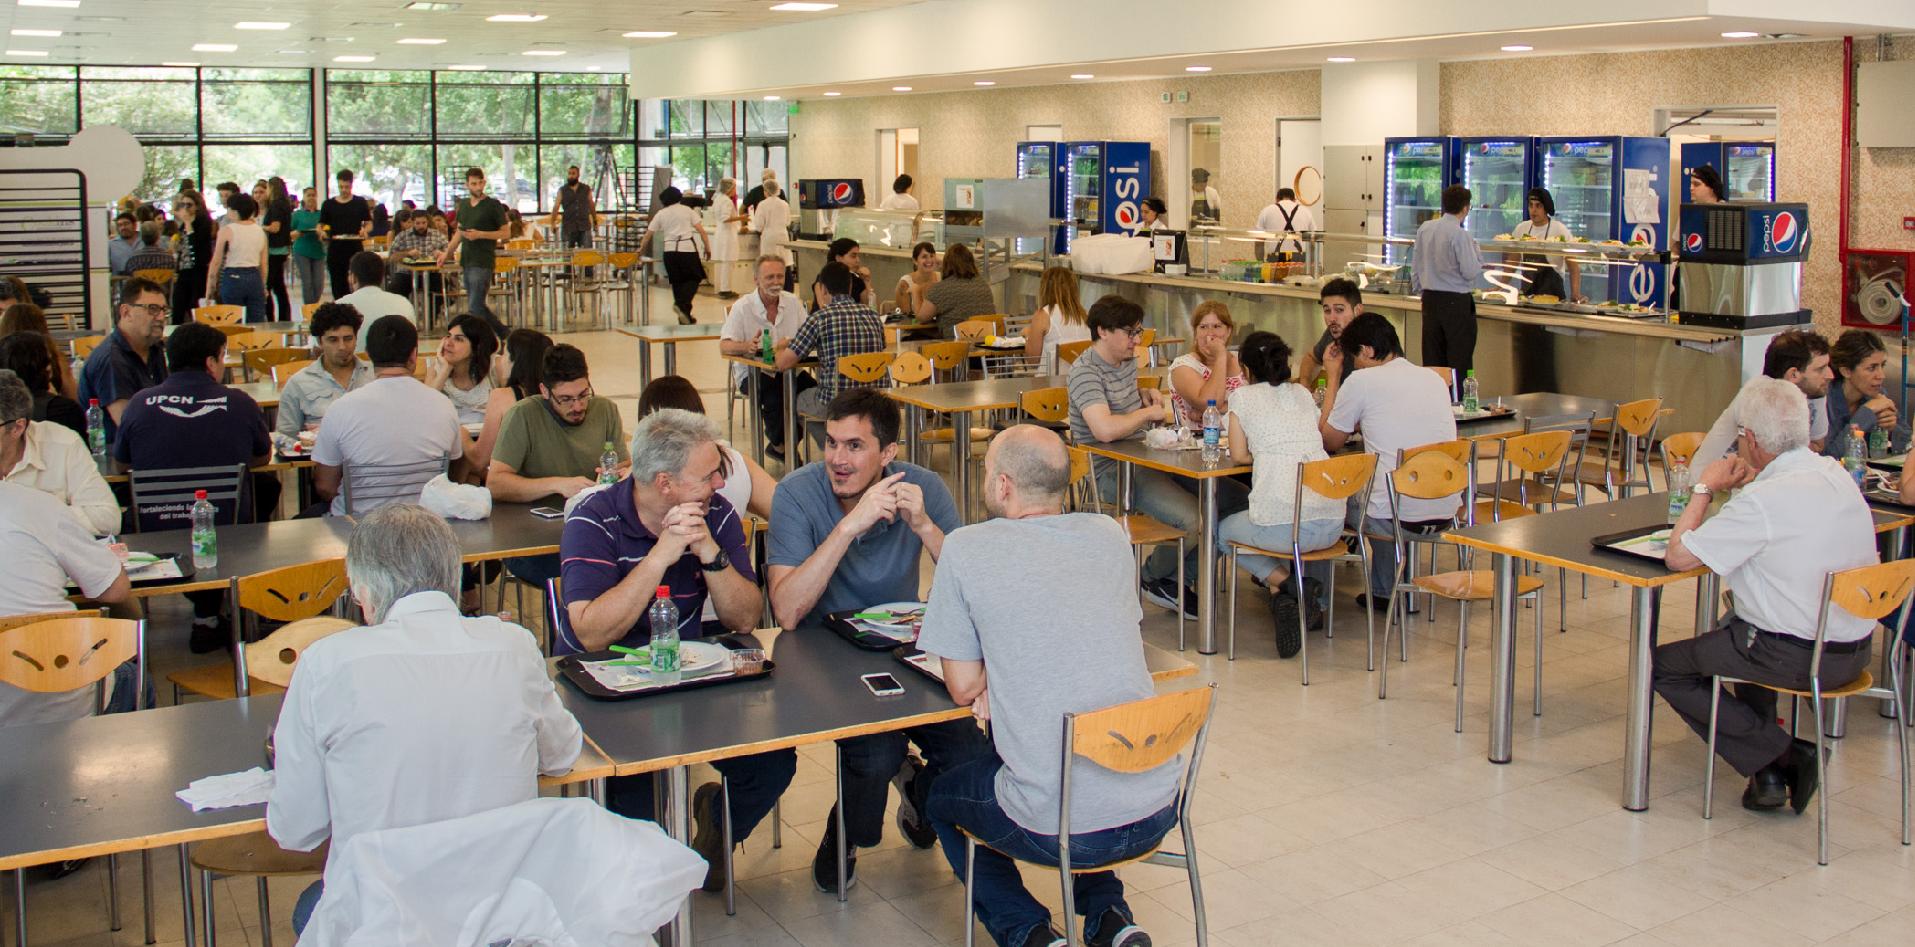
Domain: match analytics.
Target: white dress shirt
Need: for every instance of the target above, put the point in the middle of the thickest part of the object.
(896, 201)
(748, 320)
(45, 548)
(429, 716)
(56, 462)
(373, 303)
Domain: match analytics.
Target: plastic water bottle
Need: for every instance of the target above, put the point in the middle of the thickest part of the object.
(205, 537)
(1855, 459)
(1679, 484)
(1322, 392)
(96, 429)
(765, 346)
(1213, 433)
(1472, 393)
(1878, 442)
(608, 464)
(663, 618)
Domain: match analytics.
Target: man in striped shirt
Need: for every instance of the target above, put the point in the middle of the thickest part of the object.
(842, 326)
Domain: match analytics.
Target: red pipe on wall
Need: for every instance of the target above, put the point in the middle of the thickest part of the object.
(1848, 151)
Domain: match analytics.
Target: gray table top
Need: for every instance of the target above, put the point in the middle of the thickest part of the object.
(1536, 404)
(249, 548)
(511, 530)
(1184, 463)
(983, 395)
(105, 784)
(671, 333)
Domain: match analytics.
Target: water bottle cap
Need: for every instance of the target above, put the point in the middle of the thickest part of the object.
(92, 402)
(1212, 402)
(664, 591)
(199, 494)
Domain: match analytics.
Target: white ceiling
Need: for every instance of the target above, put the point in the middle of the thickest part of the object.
(148, 32)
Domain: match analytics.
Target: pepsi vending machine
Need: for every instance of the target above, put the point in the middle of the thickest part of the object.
(1041, 160)
(1612, 189)
(1497, 172)
(1105, 183)
(1742, 264)
(1747, 168)
(1415, 171)
(818, 198)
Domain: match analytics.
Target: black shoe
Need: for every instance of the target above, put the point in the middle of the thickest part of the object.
(824, 865)
(1283, 617)
(207, 639)
(685, 319)
(1802, 774)
(775, 452)
(708, 839)
(54, 871)
(1379, 605)
(1116, 930)
(1313, 598)
(911, 822)
(1044, 935)
(1767, 789)
(1163, 593)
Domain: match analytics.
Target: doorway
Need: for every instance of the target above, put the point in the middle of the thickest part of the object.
(1300, 162)
(897, 154)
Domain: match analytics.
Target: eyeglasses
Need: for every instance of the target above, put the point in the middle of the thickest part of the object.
(153, 309)
(567, 401)
(1135, 332)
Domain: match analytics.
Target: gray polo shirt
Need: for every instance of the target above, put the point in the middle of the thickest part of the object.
(306, 396)
(881, 565)
(390, 421)
(1095, 381)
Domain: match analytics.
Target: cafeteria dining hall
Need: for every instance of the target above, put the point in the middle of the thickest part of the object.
(956, 472)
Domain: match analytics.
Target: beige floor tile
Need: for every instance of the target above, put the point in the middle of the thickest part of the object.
(1554, 919)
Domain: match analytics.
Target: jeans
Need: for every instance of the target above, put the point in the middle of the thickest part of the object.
(811, 403)
(303, 908)
(867, 764)
(966, 797)
(534, 569)
(756, 783)
(276, 285)
(121, 701)
(771, 402)
(239, 287)
(478, 281)
(578, 239)
(1237, 528)
(1172, 501)
(312, 275)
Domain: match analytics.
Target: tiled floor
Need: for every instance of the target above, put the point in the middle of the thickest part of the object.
(1324, 815)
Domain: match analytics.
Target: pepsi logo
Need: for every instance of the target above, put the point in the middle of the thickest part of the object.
(1645, 233)
(1783, 232)
(841, 191)
(1642, 284)
(1126, 216)
(1692, 243)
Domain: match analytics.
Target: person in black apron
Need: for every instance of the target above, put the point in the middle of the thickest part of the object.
(1545, 279)
(1204, 205)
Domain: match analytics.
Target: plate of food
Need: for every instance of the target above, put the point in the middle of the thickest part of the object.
(1543, 299)
(694, 657)
(893, 616)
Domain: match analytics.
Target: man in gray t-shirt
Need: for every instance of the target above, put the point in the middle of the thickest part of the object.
(980, 621)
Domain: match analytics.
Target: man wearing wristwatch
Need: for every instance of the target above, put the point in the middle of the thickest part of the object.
(666, 525)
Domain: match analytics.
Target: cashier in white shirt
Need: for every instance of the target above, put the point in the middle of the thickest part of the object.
(1796, 517)
(900, 197)
(423, 715)
(1287, 216)
(1545, 271)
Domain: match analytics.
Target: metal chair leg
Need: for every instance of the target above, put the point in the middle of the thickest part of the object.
(1179, 595)
(724, 820)
(1196, 884)
(186, 895)
(1709, 768)
(206, 908)
(112, 892)
(1303, 614)
(265, 914)
(777, 824)
(20, 906)
(1821, 779)
(970, 888)
(1537, 698)
(1462, 636)
(1230, 647)
(146, 893)
(1901, 714)
(844, 843)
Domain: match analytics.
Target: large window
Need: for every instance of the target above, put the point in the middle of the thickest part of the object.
(703, 142)
(42, 101)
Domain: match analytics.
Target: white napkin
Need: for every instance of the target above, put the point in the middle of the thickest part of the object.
(249, 788)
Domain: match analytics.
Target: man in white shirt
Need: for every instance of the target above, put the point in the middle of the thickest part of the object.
(1397, 404)
(419, 717)
(900, 197)
(1796, 517)
(366, 276)
(53, 460)
(46, 547)
(771, 307)
(1284, 217)
(393, 420)
(1799, 357)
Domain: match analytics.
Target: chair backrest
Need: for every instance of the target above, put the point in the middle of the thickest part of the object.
(84, 345)
(520, 243)
(1431, 475)
(1067, 352)
(367, 487)
(253, 341)
(1083, 492)
(1050, 405)
(272, 658)
(587, 258)
(946, 356)
(1638, 418)
(1446, 373)
(306, 312)
(219, 315)
(1579, 427)
(15, 621)
(865, 368)
(285, 370)
(1337, 478)
(1140, 735)
(910, 368)
(231, 330)
(974, 329)
(163, 499)
(625, 259)
(162, 275)
(1458, 450)
(292, 592)
(505, 264)
(67, 653)
(266, 359)
(1148, 339)
(1009, 366)
(1537, 453)
(1681, 447)
(1869, 592)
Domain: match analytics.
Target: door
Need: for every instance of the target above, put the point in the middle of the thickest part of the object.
(1300, 162)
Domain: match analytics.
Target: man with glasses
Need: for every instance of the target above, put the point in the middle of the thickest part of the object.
(129, 358)
(482, 224)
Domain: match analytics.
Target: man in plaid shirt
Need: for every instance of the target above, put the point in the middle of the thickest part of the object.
(840, 327)
(415, 239)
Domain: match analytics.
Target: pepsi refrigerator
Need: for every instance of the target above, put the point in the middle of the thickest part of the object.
(1105, 183)
(1742, 264)
(1747, 168)
(1497, 172)
(1612, 188)
(1042, 160)
(818, 201)
(1415, 171)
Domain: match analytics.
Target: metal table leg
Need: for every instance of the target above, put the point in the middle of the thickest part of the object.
(678, 824)
(961, 459)
(645, 364)
(1206, 565)
(1502, 662)
(20, 908)
(644, 290)
(790, 380)
(754, 378)
(671, 357)
(1644, 603)
(1897, 542)
(913, 430)
(186, 895)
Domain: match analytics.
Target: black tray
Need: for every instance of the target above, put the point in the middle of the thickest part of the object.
(1876, 496)
(1506, 413)
(1607, 541)
(186, 573)
(840, 625)
(569, 668)
(905, 654)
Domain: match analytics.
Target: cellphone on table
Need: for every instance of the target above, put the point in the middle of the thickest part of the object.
(881, 684)
(547, 513)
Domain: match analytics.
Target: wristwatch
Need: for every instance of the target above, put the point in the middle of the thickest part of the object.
(1699, 489)
(719, 563)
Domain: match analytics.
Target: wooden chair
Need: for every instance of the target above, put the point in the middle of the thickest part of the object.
(1146, 350)
(1142, 529)
(1623, 461)
(306, 312)
(910, 368)
(232, 330)
(265, 360)
(84, 345)
(226, 487)
(162, 275)
(974, 330)
(1335, 478)
(1129, 738)
(1448, 375)
(1067, 352)
(1051, 406)
(1869, 592)
(947, 364)
(1435, 475)
(582, 279)
(286, 370)
(287, 595)
(252, 341)
(1680, 449)
(220, 315)
(367, 487)
(1530, 462)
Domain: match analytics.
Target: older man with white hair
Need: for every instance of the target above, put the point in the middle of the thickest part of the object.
(666, 527)
(1797, 517)
(422, 715)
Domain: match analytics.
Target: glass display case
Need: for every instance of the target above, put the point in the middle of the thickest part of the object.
(892, 229)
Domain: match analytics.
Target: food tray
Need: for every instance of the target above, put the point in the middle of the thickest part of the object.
(570, 668)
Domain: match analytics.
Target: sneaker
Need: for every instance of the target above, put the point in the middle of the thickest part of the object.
(1313, 599)
(1163, 593)
(824, 865)
(911, 822)
(1380, 604)
(775, 452)
(1116, 930)
(1283, 617)
(1044, 935)
(207, 639)
(708, 839)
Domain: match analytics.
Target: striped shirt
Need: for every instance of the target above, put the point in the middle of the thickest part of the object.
(846, 327)
(1094, 381)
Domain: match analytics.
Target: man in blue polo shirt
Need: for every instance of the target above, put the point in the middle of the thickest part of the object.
(847, 533)
(130, 357)
(191, 420)
(666, 525)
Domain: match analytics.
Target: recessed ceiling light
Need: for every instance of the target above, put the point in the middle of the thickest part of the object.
(900, 88)
(48, 33)
(1741, 34)
(795, 7)
(62, 4)
(543, 52)
(1518, 48)
(833, 95)
(1343, 59)
(181, 65)
(420, 41)
(26, 52)
(352, 59)
(1196, 68)
(593, 68)
(431, 6)
(983, 82)
(515, 18)
(650, 34)
(214, 48)
(295, 52)
(1082, 75)
(467, 67)
(260, 25)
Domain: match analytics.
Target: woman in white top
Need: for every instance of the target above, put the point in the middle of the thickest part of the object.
(1273, 427)
(1060, 318)
(463, 372)
(1208, 372)
(1545, 271)
(771, 221)
(722, 217)
(900, 197)
(1150, 216)
(926, 269)
(237, 275)
(679, 237)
